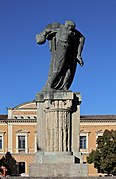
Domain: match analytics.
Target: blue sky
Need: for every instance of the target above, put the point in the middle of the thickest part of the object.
(24, 65)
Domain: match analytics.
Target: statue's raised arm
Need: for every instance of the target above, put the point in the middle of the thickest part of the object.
(66, 45)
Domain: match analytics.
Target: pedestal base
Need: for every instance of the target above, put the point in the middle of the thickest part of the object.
(58, 170)
(57, 164)
(58, 128)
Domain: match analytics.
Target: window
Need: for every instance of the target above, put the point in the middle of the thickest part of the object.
(1, 141)
(21, 142)
(99, 134)
(83, 142)
(21, 167)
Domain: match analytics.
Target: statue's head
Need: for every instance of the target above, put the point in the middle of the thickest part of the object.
(70, 24)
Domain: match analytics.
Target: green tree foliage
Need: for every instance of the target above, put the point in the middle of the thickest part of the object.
(104, 157)
(10, 163)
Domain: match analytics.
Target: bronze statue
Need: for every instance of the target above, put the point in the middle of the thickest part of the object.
(66, 44)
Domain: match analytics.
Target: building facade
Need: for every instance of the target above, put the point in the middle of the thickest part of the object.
(18, 134)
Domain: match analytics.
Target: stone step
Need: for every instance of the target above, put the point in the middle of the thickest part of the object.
(58, 159)
(58, 170)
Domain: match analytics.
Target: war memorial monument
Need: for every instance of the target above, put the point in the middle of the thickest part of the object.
(58, 108)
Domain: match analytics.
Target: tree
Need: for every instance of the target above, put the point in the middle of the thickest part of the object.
(104, 157)
(10, 163)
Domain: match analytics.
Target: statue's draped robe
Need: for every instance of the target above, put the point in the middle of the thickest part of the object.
(63, 44)
(64, 49)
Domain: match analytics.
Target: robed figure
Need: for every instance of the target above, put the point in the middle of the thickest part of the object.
(66, 44)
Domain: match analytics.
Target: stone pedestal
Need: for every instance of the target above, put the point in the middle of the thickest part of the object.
(58, 127)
